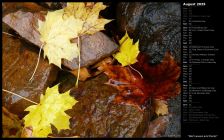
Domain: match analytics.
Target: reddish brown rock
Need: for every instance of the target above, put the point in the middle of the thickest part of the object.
(97, 115)
(19, 61)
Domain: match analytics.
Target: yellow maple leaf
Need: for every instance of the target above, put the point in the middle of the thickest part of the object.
(61, 26)
(56, 34)
(50, 110)
(161, 107)
(128, 51)
(88, 14)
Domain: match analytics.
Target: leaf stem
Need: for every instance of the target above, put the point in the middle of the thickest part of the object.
(77, 80)
(19, 96)
(37, 63)
(136, 71)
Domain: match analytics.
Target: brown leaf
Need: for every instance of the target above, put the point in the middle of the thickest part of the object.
(83, 75)
(160, 107)
(162, 76)
(160, 81)
(100, 64)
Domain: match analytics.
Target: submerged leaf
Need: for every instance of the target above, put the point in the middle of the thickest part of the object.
(50, 110)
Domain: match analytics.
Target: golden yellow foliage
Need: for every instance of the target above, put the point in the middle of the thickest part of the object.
(50, 110)
(128, 51)
(161, 107)
(88, 14)
(56, 33)
(62, 25)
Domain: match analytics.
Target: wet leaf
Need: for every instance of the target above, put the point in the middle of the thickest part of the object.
(89, 14)
(84, 73)
(160, 107)
(56, 34)
(93, 47)
(62, 25)
(128, 51)
(50, 110)
(160, 81)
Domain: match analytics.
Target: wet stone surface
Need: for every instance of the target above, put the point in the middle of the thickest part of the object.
(174, 126)
(96, 115)
(19, 61)
(156, 25)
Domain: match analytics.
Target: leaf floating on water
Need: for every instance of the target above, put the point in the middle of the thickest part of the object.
(50, 110)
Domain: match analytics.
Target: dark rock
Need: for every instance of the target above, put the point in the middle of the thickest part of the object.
(156, 25)
(174, 125)
(93, 47)
(19, 61)
(96, 115)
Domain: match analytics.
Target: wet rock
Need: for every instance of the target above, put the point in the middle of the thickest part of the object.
(157, 127)
(9, 7)
(11, 124)
(25, 24)
(174, 126)
(19, 61)
(96, 115)
(93, 47)
(157, 25)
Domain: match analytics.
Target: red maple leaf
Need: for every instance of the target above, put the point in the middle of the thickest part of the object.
(160, 81)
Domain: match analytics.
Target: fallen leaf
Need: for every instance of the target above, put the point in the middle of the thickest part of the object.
(107, 60)
(163, 76)
(50, 110)
(62, 25)
(93, 47)
(160, 107)
(89, 14)
(128, 51)
(56, 34)
(83, 75)
(160, 81)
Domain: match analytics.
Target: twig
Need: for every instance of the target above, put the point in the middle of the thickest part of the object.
(19, 96)
(136, 71)
(77, 80)
(8, 34)
(37, 63)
